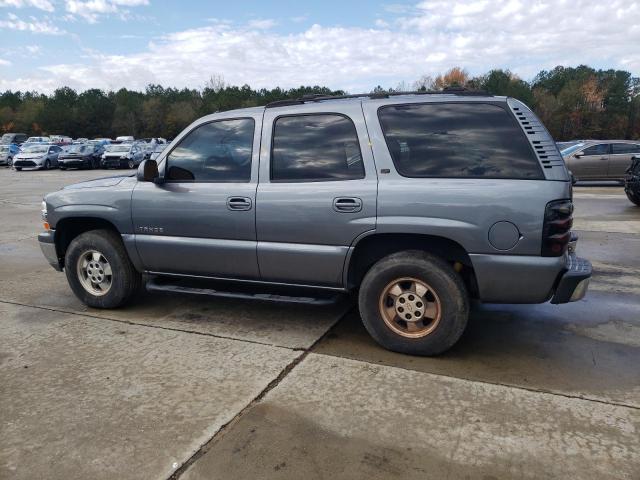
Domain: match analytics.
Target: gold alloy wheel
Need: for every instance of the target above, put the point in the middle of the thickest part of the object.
(410, 307)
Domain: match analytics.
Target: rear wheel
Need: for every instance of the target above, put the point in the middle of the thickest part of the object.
(412, 302)
(99, 271)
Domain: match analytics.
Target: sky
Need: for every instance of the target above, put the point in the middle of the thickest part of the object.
(350, 45)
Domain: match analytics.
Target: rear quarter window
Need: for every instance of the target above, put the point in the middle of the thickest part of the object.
(457, 140)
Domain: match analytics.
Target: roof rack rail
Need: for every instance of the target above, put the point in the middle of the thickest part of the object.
(319, 97)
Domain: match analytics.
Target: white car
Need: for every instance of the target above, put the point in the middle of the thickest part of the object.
(125, 139)
(41, 157)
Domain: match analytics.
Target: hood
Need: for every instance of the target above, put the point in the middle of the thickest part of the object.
(99, 182)
(29, 156)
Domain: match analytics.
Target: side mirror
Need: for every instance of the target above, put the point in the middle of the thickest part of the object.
(578, 155)
(148, 172)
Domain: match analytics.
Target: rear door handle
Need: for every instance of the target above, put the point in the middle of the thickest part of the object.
(239, 203)
(347, 204)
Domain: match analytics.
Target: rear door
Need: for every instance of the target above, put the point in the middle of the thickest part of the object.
(317, 191)
(620, 158)
(201, 220)
(591, 163)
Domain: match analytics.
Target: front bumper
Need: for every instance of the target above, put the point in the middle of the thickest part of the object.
(26, 164)
(73, 162)
(48, 247)
(113, 162)
(574, 282)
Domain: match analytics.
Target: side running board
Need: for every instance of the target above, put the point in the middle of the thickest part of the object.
(155, 285)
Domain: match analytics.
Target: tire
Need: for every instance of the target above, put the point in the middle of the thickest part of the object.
(634, 198)
(446, 298)
(63, 168)
(124, 281)
(47, 164)
(18, 169)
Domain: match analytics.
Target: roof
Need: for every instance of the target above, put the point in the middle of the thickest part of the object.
(376, 96)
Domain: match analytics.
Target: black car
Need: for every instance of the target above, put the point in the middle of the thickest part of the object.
(81, 156)
(632, 181)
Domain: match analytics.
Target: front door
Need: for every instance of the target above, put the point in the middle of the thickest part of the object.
(317, 192)
(591, 163)
(201, 219)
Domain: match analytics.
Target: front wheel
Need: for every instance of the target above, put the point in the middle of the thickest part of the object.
(633, 197)
(18, 169)
(99, 271)
(415, 303)
(47, 164)
(131, 164)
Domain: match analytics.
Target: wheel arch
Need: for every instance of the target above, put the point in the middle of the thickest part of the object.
(69, 228)
(369, 249)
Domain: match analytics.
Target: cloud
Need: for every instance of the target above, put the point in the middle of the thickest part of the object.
(13, 22)
(92, 10)
(426, 38)
(4, 63)
(261, 24)
(45, 5)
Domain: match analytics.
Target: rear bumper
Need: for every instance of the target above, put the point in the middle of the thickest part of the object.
(574, 282)
(48, 247)
(531, 279)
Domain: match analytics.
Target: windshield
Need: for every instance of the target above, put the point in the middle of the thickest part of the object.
(570, 150)
(36, 149)
(118, 148)
(78, 149)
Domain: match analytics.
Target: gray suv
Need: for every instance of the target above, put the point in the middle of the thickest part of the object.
(416, 202)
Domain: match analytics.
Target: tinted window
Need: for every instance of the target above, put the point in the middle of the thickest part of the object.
(469, 140)
(601, 149)
(625, 148)
(214, 152)
(315, 148)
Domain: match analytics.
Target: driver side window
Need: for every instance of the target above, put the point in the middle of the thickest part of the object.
(601, 149)
(219, 151)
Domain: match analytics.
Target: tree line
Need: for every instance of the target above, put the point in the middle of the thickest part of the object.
(574, 103)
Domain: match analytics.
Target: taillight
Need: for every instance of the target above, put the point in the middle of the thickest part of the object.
(556, 232)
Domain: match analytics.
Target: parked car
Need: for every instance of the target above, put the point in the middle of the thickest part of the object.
(60, 140)
(31, 140)
(157, 150)
(81, 156)
(15, 138)
(7, 152)
(81, 140)
(122, 155)
(42, 156)
(125, 139)
(632, 181)
(600, 159)
(468, 197)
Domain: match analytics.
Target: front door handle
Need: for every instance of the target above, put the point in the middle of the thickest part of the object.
(347, 204)
(239, 203)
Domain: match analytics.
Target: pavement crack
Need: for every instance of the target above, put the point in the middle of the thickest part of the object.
(145, 325)
(270, 386)
(540, 391)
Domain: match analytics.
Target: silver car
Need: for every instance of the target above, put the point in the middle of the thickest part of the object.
(42, 157)
(601, 159)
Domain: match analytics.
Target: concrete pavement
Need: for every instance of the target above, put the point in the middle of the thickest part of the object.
(210, 388)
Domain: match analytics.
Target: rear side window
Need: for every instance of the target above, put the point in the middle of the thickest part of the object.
(457, 140)
(214, 152)
(315, 148)
(625, 148)
(601, 149)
